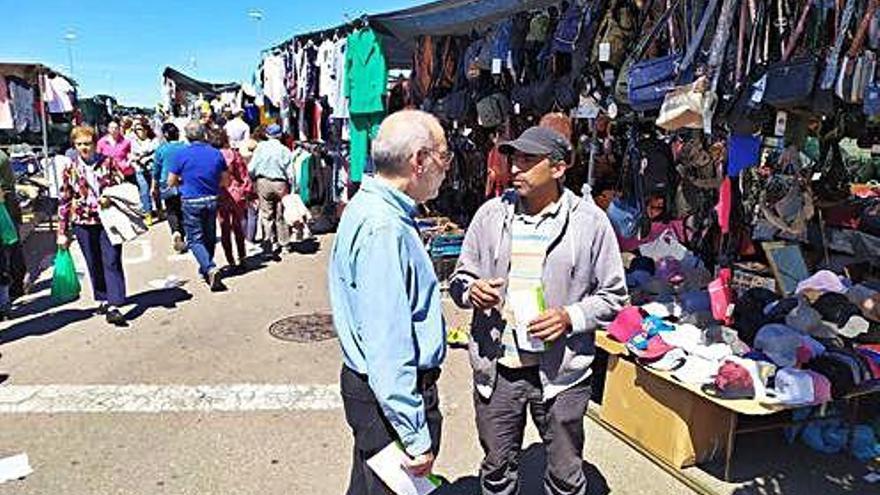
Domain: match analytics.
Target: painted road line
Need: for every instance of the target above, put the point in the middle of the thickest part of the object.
(24, 399)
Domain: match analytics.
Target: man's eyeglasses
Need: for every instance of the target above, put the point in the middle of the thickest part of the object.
(445, 157)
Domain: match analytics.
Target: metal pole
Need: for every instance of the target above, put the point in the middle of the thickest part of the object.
(70, 58)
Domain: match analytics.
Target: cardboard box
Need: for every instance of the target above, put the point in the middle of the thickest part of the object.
(673, 423)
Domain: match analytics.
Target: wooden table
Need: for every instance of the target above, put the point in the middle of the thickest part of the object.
(677, 422)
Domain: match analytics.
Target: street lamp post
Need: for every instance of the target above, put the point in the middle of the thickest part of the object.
(257, 16)
(69, 38)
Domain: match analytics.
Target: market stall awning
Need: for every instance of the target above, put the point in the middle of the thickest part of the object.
(194, 86)
(30, 71)
(452, 16)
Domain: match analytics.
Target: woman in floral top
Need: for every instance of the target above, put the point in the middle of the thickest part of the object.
(82, 184)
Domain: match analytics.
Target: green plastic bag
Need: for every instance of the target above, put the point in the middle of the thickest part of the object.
(8, 232)
(65, 283)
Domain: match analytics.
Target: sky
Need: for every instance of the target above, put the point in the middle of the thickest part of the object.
(121, 47)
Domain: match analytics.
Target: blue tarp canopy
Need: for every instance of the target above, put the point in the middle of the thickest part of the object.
(455, 17)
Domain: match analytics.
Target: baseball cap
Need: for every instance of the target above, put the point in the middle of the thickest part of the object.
(780, 343)
(627, 324)
(734, 381)
(822, 281)
(845, 317)
(684, 336)
(655, 348)
(273, 130)
(793, 386)
(541, 141)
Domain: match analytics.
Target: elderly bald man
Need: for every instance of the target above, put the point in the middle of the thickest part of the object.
(386, 301)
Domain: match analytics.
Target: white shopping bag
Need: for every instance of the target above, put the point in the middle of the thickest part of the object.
(388, 465)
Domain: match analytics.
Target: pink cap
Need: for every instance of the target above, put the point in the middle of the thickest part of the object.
(627, 324)
(657, 348)
(821, 387)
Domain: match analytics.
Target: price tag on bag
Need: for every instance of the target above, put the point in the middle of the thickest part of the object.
(604, 51)
(781, 123)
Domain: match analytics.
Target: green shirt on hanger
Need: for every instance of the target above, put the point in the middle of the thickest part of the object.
(366, 73)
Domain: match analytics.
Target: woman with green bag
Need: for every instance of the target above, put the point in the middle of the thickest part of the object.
(83, 182)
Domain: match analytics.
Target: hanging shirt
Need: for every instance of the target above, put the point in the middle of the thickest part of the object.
(23, 113)
(337, 100)
(273, 79)
(6, 121)
(58, 94)
(325, 60)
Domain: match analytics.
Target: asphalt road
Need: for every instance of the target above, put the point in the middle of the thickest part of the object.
(196, 397)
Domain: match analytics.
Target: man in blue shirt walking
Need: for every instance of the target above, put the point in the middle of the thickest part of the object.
(386, 302)
(200, 171)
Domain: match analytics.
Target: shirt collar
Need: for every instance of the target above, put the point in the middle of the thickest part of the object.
(382, 188)
(550, 211)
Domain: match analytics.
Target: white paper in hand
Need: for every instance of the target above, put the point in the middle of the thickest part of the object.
(526, 307)
(388, 465)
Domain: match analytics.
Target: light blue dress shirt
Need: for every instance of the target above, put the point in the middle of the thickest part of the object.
(386, 305)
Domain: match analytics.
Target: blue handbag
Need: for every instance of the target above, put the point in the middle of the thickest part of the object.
(627, 213)
(625, 216)
(648, 81)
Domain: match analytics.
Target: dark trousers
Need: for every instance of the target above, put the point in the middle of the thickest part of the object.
(174, 214)
(200, 223)
(371, 430)
(104, 261)
(501, 422)
(232, 219)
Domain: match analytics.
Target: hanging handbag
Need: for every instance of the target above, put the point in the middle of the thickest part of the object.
(789, 84)
(648, 81)
(829, 75)
(856, 66)
(686, 107)
(627, 212)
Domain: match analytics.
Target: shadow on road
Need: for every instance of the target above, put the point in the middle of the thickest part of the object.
(159, 298)
(44, 325)
(531, 474)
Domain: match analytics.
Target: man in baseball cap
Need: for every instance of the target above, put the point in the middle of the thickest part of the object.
(537, 242)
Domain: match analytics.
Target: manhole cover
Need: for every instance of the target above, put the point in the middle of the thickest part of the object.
(304, 328)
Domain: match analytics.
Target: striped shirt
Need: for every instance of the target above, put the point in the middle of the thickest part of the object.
(530, 240)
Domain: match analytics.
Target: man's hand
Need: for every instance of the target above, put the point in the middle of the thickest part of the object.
(485, 294)
(551, 325)
(421, 465)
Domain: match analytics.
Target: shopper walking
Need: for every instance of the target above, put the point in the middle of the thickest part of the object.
(237, 129)
(143, 148)
(271, 167)
(233, 200)
(165, 155)
(83, 182)
(200, 171)
(116, 146)
(386, 302)
(537, 238)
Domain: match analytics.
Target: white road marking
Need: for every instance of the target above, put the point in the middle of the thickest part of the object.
(78, 399)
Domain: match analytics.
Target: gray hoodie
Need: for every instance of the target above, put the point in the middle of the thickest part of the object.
(583, 270)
